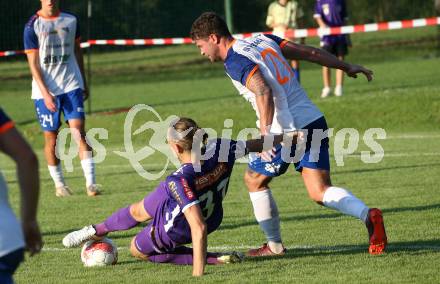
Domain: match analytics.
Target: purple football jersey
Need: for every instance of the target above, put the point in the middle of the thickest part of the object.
(334, 14)
(187, 187)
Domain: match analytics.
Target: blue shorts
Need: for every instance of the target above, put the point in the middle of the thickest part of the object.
(316, 157)
(71, 104)
(8, 264)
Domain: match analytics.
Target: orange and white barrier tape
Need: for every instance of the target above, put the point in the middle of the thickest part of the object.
(10, 52)
(394, 25)
(298, 33)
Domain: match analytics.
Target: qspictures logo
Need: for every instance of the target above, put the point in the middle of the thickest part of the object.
(346, 142)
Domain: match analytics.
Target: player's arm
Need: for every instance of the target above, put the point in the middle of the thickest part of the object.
(266, 142)
(318, 15)
(80, 60)
(320, 22)
(269, 18)
(320, 56)
(264, 100)
(13, 145)
(33, 57)
(199, 233)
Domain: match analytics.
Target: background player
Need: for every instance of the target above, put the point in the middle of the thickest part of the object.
(281, 16)
(52, 45)
(11, 233)
(332, 13)
(259, 70)
(185, 207)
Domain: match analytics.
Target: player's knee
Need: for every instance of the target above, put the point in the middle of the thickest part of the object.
(134, 212)
(135, 252)
(78, 132)
(249, 180)
(316, 197)
(138, 212)
(81, 136)
(255, 181)
(316, 193)
(50, 140)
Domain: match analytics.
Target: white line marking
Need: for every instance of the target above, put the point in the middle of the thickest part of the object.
(395, 155)
(413, 136)
(293, 247)
(8, 170)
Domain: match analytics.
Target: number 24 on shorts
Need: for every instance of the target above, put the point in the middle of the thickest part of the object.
(46, 118)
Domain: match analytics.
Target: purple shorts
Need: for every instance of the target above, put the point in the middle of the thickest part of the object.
(153, 238)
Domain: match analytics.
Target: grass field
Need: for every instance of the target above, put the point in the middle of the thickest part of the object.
(323, 246)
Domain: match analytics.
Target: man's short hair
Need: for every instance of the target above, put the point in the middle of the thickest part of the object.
(209, 23)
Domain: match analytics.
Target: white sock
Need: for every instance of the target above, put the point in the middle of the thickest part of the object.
(89, 171)
(325, 91)
(56, 173)
(345, 202)
(266, 214)
(264, 205)
(338, 90)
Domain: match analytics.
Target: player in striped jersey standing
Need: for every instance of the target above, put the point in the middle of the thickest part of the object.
(52, 45)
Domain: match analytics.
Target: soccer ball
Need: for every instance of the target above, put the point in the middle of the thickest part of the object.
(99, 253)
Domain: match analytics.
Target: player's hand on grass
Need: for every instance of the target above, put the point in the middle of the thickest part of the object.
(354, 69)
(32, 237)
(49, 101)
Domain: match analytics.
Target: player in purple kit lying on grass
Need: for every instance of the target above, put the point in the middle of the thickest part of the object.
(184, 208)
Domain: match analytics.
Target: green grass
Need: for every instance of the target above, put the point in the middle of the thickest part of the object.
(324, 246)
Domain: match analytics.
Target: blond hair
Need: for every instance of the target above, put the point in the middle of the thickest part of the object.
(185, 131)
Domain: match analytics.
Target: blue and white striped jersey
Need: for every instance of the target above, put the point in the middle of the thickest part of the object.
(293, 109)
(54, 38)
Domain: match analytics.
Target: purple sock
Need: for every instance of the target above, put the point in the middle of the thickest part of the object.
(119, 221)
(182, 256)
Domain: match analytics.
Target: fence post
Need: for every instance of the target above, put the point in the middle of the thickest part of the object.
(228, 14)
(89, 50)
(437, 9)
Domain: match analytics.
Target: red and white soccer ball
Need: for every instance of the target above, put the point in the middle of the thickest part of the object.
(99, 253)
